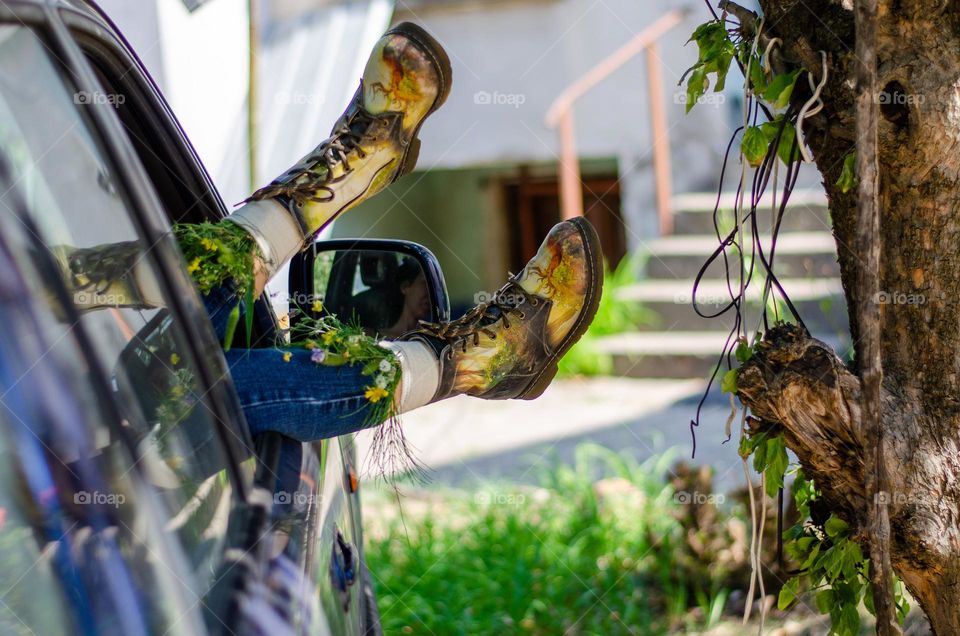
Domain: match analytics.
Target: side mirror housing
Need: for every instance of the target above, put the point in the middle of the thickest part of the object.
(385, 286)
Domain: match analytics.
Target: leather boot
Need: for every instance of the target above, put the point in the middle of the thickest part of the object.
(509, 347)
(374, 143)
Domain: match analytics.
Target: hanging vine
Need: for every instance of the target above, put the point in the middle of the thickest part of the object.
(778, 97)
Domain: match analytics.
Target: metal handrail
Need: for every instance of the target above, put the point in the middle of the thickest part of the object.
(560, 114)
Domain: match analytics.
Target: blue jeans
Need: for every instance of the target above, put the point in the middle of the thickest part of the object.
(298, 398)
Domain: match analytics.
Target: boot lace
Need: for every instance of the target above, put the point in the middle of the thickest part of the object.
(319, 165)
(481, 319)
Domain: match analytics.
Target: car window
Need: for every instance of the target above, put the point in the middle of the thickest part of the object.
(77, 527)
(83, 221)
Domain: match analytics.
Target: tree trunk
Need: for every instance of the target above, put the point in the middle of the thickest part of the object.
(798, 382)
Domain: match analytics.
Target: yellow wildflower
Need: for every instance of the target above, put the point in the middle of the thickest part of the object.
(208, 245)
(310, 345)
(316, 307)
(375, 394)
(194, 265)
(174, 359)
(286, 356)
(329, 337)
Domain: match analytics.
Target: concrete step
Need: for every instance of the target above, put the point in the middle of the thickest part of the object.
(798, 255)
(796, 218)
(687, 354)
(806, 212)
(820, 302)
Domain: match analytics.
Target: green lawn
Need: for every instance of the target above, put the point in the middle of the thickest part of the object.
(573, 556)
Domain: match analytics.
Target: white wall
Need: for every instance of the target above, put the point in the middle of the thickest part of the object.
(528, 53)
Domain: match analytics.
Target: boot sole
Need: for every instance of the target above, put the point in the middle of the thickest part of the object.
(591, 243)
(442, 62)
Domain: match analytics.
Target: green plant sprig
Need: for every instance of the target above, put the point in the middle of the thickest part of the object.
(716, 52)
(832, 566)
(217, 253)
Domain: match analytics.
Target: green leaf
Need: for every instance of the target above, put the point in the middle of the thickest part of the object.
(824, 601)
(811, 557)
(232, 321)
(777, 462)
(848, 175)
(787, 137)
(715, 54)
(758, 80)
(743, 351)
(788, 593)
(760, 458)
(835, 527)
(849, 621)
(696, 86)
(729, 382)
(781, 88)
(754, 145)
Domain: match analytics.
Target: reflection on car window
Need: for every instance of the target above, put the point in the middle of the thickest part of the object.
(76, 202)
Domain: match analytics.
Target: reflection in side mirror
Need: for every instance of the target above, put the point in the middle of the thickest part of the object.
(387, 287)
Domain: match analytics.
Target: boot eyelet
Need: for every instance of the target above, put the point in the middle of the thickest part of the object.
(522, 315)
(534, 302)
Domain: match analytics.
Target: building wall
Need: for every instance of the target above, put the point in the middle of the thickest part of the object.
(458, 214)
(512, 59)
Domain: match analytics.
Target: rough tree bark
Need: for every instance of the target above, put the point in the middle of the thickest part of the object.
(798, 383)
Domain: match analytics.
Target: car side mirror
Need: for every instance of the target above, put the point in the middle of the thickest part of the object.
(385, 286)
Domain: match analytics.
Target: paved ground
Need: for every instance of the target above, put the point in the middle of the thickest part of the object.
(466, 440)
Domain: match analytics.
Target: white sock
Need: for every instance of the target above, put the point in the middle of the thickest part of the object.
(276, 232)
(147, 285)
(420, 374)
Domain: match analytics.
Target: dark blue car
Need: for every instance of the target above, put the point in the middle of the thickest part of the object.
(132, 499)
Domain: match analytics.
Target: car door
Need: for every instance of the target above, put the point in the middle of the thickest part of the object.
(327, 525)
(85, 538)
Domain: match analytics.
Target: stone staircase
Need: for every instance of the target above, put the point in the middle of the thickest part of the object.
(681, 344)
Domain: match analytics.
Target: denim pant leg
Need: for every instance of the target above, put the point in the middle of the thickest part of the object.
(297, 398)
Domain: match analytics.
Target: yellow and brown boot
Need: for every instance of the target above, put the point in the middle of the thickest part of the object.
(374, 143)
(509, 347)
